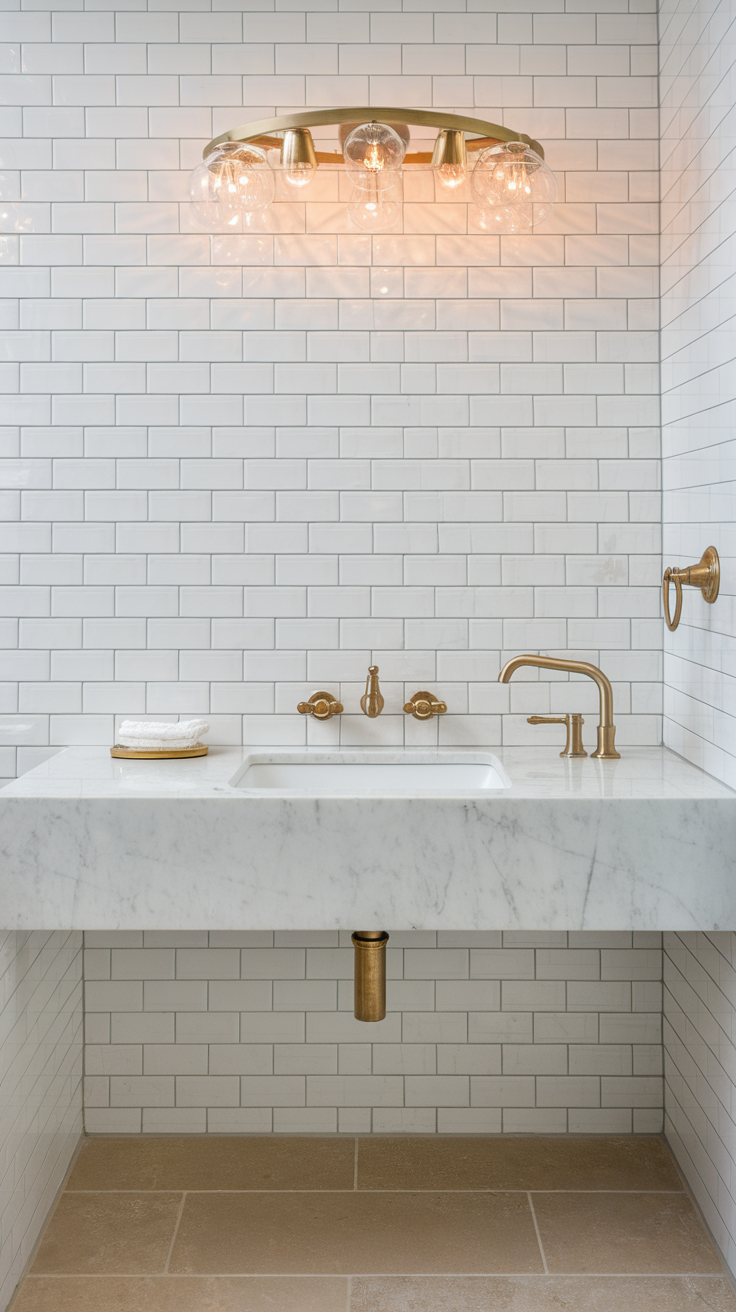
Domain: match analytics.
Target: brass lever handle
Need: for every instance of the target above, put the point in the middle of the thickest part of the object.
(574, 722)
(372, 703)
(321, 705)
(706, 575)
(423, 706)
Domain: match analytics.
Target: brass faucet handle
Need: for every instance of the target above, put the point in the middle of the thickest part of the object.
(423, 706)
(372, 703)
(574, 722)
(321, 705)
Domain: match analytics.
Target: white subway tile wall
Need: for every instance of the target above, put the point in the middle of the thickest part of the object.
(236, 468)
(700, 1061)
(40, 1085)
(227, 1032)
(699, 400)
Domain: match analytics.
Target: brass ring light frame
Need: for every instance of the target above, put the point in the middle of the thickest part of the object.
(261, 133)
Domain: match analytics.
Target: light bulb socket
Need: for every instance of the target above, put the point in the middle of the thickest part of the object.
(297, 150)
(450, 148)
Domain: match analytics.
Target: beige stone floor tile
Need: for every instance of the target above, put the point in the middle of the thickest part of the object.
(335, 1234)
(111, 1234)
(538, 1294)
(623, 1233)
(214, 1162)
(447, 1162)
(182, 1294)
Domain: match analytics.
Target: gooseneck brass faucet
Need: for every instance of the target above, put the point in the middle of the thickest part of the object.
(606, 749)
(372, 700)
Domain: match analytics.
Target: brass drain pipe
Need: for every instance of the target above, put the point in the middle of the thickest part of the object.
(370, 974)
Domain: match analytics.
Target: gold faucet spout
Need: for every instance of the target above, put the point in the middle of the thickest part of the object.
(606, 749)
(372, 700)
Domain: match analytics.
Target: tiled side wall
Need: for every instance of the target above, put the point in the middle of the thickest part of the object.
(235, 469)
(698, 392)
(40, 1085)
(520, 1032)
(700, 1073)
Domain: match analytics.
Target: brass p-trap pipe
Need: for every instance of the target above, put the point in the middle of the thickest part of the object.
(370, 974)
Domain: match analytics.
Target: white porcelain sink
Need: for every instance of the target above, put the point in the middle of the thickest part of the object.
(377, 773)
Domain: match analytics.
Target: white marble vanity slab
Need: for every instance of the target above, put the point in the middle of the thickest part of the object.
(646, 842)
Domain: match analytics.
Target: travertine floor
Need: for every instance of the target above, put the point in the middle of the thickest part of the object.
(375, 1225)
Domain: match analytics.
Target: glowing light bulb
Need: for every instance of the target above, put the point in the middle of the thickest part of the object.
(298, 158)
(233, 181)
(450, 159)
(515, 181)
(374, 149)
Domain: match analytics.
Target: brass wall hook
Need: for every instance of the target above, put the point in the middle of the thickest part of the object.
(423, 706)
(321, 705)
(372, 703)
(706, 575)
(574, 722)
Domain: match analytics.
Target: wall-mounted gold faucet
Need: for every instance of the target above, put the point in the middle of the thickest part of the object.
(606, 749)
(372, 702)
(322, 705)
(423, 706)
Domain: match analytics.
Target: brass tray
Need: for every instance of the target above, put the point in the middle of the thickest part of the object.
(131, 754)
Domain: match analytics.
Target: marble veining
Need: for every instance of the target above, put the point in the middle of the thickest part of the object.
(641, 843)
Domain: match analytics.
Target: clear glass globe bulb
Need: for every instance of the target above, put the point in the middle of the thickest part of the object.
(375, 149)
(373, 215)
(299, 175)
(512, 175)
(450, 175)
(232, 181)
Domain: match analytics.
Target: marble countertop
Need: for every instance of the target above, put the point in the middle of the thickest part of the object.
(646, 842)
(535, 772)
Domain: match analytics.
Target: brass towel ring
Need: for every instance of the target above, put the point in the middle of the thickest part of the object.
(706, 575)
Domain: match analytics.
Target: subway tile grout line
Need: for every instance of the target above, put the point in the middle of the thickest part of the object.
(176, 1231)
(539, 1237)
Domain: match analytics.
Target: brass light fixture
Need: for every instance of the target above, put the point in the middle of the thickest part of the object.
(450, 158)
(510, 188)
(298, 159)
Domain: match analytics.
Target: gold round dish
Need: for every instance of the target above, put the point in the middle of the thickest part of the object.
(130, 753)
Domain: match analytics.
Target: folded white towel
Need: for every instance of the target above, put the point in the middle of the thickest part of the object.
(158, 737)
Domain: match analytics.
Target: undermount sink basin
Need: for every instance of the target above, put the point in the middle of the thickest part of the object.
(375, 773)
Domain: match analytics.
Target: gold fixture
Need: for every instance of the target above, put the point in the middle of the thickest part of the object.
(322, 705)
(372, 702)
(370, 974)
(262, 131)
(450, 157)
(511, 184)
(574, 722)
(706, 575)
(423, 706)
(606, 749)
(298, 157)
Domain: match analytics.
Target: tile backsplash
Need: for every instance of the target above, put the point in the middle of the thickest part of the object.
(698, 262)
(225, 1032)
(236, 469)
